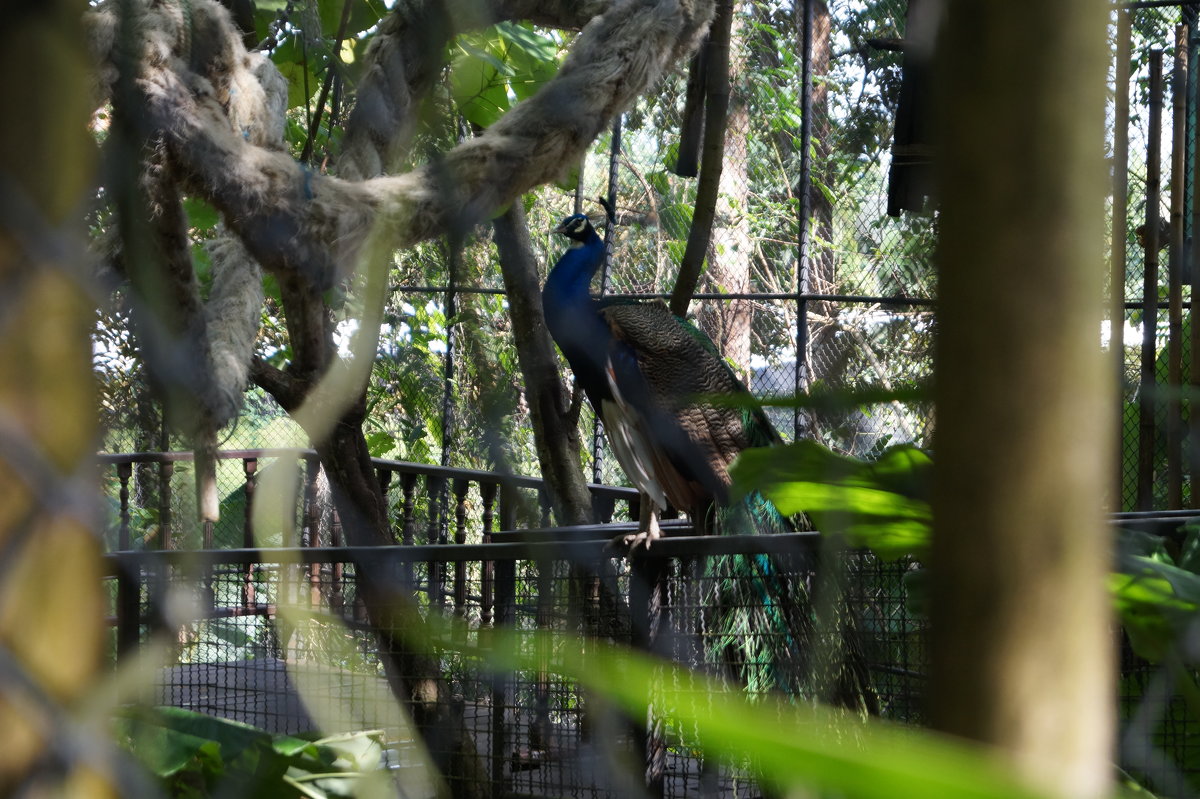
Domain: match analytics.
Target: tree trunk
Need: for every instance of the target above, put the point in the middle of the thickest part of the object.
(1022, 649)
(555, 433)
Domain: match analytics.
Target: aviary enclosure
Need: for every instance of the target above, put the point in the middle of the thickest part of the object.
(820, 282)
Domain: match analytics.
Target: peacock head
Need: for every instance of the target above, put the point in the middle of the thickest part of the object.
(576, 227)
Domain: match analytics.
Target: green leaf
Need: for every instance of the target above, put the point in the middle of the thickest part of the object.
(364, 14)
(795, 745)
(380, 443)
(660, 181)
(165, 751)
(478, 89)
(201, 215)
(676, 220)
(1157, 603)
(882, 505)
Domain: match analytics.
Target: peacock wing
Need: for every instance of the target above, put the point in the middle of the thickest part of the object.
(683, 372)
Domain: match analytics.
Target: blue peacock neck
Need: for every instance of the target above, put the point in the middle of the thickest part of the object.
(566, 298)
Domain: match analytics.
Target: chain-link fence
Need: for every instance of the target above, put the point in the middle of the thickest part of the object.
(1153, 144)
(285, 644)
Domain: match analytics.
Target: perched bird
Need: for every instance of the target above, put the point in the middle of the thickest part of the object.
(651, 377)
(646, 413)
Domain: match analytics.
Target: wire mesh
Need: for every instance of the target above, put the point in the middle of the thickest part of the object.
(867, 321)
(286, 645)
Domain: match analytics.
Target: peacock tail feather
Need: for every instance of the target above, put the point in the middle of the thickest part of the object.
(763, 626)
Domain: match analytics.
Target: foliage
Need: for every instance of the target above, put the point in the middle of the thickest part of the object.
(1158, 594)
(882, 505)
(195, 755)
(493, 69)
(795, 747)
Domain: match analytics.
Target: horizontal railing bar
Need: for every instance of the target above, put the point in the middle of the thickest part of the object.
(588, 549)
(556, 543)
(586, 532)
(864, 299)
(410, 467)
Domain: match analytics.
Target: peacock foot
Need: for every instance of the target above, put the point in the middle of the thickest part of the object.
(642, 538)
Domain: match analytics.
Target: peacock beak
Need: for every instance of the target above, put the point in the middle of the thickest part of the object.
(560, 229)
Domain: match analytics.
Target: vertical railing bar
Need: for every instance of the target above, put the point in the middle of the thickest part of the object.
(506, 591)
(461, 486)
(124, 472)
(128, 588)
(487, 496)
(506, 578)
(249, 468)
(1194, 264)
(435, 488)
(408, 487)
(647, 591)
(509, 500)
(384, 477)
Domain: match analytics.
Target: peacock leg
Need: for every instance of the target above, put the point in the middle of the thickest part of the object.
(648, 529)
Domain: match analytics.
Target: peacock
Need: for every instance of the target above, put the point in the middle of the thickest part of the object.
(650, 377)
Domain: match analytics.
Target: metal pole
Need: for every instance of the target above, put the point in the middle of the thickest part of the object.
(1120, 233)
(614, 155)
(1193, 261)
(1147, 388)
(1174, 429)
(804, 211)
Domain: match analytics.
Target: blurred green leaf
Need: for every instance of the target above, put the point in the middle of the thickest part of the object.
(1152, 608)
(189, 750)
(882, 505)
(796, 746)
(364, 14)
(202, 216)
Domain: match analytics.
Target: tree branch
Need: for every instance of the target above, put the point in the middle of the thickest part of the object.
(715, 117)
(312, 226)
(555, 434)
